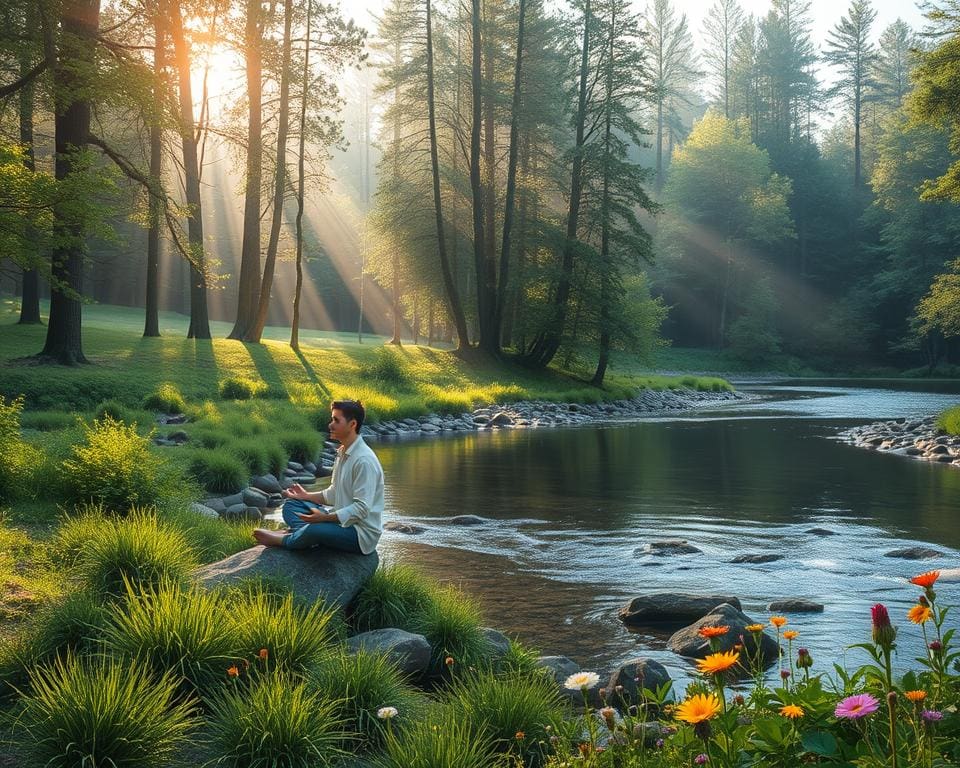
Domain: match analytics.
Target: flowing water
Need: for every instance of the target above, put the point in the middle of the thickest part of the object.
(567, 508)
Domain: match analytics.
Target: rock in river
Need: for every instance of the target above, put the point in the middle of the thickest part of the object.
(669, 547)
(914, 553)
(757, 558)
(795, 605)
(675, 607)
(402, 527)
(688, 642)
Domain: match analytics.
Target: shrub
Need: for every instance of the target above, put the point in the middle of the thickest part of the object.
(139, 550)
(115, 410)
(210, 437)
(217, 471)
(166, 399)
(451, 623)
(387, 369)
(212, 538)
(114, 466)
(240, 388)
(443, 741)
(76, 530)
(186, 630)
(18, 460)
(949, 421)
(99, 711)
(361, 684)
(394, 596)
(260, 454)
(301, 445)
(274, 721)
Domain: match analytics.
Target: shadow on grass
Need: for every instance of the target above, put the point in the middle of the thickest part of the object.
(311, 373)
(267, 369)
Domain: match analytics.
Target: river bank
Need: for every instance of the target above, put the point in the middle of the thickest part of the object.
(915, 438)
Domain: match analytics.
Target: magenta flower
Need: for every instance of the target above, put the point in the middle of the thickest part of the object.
(701, 759)
(855, 707)
(931, 715)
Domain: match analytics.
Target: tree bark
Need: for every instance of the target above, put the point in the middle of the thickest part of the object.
(30, 293)
(301, 182)
(395, 264)
(151, 320)
(476, 182)
(490, 341)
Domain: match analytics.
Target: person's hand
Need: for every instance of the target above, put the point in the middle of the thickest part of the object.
(295, 491)
(313, 516)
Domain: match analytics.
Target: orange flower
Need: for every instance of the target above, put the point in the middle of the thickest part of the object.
(264, 653)
(791, 634)
(915, 696)
(754, 627)
(778, 621)
(448, 661)
(716, 663)
(792, 711)
(519, 735)
(919, 614)
(709, 632)
(926, 580)
(233, 671)
(698, 708)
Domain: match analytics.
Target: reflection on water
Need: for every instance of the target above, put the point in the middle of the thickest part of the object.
(568, 508)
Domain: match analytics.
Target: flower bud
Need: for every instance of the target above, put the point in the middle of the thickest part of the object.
(923, 601)
(739, 700)
(936, 646)
(785, 674)
(804, 659)
(884, 633)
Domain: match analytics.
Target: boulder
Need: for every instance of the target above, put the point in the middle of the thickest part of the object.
(687, 641)
(402, 527)
(795, 605)
(296, 466)
(629, 679)
(821, 532)
(672, 607)
(502, 419)
(499, 643)
(204, 510)
(466, 520)
(215, 504)
(914, 553)
(254, 498)
(266, 483)
(757, 558)
(558, 667)
(410, 652)
(232, 500)
(314, 574)
(241, 512)
(664, 548)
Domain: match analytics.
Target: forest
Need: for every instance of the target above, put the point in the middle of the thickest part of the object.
(558, 183)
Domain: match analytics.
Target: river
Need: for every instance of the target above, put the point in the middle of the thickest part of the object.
(567, 508)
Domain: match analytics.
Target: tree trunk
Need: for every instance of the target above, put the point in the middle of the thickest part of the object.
(396, 175)
(279, 184)
(151, 319)
(301, 181)
(476, 183)
(76, 56)
(248, 288)
(199, 319)
(30, 295)
(449, 286)
(431, 327)
(490, 341)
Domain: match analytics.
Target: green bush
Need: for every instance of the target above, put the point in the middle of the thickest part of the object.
(445, 740)
(114, 466)
(259, 454)
(212, 538)
(361, 684)
(451, 624)
(115, 410)
(949, 421)
(19, 461)
(394, 596)
(75, 530)
(217, 470)
(241, 388)
(101, 712)
(165, 399)
(186, 630)
(301, 445)
(139, 550)
(210, 437)
(274, 721)
(387, 369)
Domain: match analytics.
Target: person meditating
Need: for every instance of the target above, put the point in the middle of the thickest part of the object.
(355, 493)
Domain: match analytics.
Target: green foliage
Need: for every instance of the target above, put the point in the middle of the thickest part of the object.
(115, 466)
(241, 388)
(451, 623)
(217, 470)
(387, 369)
(939, 310)
(392, 597)
(273, 721)
(301, 445)
(19, 461)
(115, 410)
(166, 398)
(212, 538)
(47, 421)
(260, 454)
(361, 683)
(187, 631)
(753, 335)
(444, 740)
(99, 711)
(949, 421)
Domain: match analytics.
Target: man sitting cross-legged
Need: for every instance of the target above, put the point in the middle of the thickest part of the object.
(355, 493)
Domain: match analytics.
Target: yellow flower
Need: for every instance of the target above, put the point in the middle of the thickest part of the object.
(791, 634)
(698, 708)
(915, 696)
(778, 621)
(792, 711)
(715, 663)
(920, 614)
(754, 627)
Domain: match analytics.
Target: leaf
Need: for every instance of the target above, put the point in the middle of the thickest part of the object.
(819, 742)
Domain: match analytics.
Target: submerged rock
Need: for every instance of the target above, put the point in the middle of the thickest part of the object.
(467, 520)
(914, 553)
(402, 527)
(675, 607)
(757, 558)
(795, 605)
(665, 548)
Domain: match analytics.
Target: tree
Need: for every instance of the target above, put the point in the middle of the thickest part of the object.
(151, 323)
(722, 30)
(891, 77)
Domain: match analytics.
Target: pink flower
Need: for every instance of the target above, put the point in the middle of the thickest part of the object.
(855, 707)
(884, 633)
(701, 759)
(931, 715)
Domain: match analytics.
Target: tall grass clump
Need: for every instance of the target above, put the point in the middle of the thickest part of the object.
(140, 551)
(113, 465)
(273, 722)
(282, 634)
(387, 369)
(240, 388)
(99, 711)
(260, 454)
(165, 399)
(301, 445)
(949, 421)
(451, 624)
(362, 684)
(443, 741)
(115, 410)
(47, 421)
(186, 630)
(394, 596)
(76, 529)
(212, 538)
(19, 461)
(218, 471)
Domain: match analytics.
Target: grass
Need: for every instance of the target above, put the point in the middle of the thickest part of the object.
(949, 421)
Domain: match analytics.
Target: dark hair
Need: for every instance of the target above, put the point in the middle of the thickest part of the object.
(351, 409)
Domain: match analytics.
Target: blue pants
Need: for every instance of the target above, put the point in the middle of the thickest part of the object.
(306, 535)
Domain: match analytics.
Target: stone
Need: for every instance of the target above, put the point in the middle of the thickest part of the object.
(466, 520)
(671, 607)
(688, 642)
(757, 558)
(324, 471)
(266, 483)
(795, 605)
(296, 466)
(665, 548)
(409, 651)
(558, 667)
(502, 419)
(232, 500)
(313, 574)
(429, 428)
(215, 504)
(499, 643)
(254, 498)
(651, 675)
(241, 512)
(204, 510)
(914, 553)
(821, 532)
(399, 526)
(179, 436)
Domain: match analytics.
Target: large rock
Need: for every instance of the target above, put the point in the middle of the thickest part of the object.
(241, 512)
(399, 526)
(558, 667)
(410, 652)
(204, 510)
(254, 497)
(266, 483)
(466, 520)
(795, 605)
(628, 681)
(675, 607)
(665, 548)
(688, 642)
(767, 557)
(314, 574)
(914, 553)
(498, 642)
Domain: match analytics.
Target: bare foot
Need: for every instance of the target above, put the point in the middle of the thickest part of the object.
(269, 538)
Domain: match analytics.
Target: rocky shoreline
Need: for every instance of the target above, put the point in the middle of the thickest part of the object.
(914, 438)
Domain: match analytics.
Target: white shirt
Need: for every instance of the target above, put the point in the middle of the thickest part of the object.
(356, 492)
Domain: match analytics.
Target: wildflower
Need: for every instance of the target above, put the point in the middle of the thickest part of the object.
(233, 671)
(926, 580)
(778, 621)
(804, 659)
(387, 713)
(855, 707)
(698, 708)
(603, 694)
(263, 654)
(792, 711)
(919, 614)
(754, 627)
(915, 696)
(609, 715)
(936, 646)
(581, 680)
(931, 715)
(659, 743)
(923, 600)
(716, 663)
(791, 634)
(700, 759)
(884, 633)
(785, 674)
(709, 632)
(448, 661)
(519, 735)
(739, 700)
